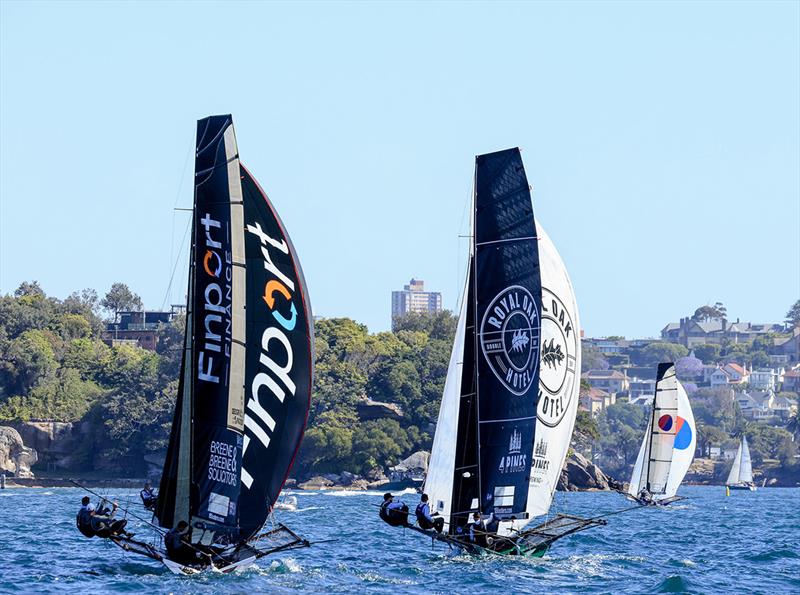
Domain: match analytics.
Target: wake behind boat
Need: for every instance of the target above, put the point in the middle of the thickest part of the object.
(668, 446)
(246, 375)
(511, 393)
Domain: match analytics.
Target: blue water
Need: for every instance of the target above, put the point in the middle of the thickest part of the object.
(749, 542)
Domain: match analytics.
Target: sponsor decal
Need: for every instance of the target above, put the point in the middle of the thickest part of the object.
(514, 461)
(214, 336)
(269, 386)
(557, 376)
(509, 337)
(540, 461)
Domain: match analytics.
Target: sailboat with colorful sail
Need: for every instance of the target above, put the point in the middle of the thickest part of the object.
(511, 393)
(741, 473)
(669, 443)
(246, 373)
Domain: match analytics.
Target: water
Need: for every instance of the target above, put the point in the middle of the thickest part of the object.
(748, 542)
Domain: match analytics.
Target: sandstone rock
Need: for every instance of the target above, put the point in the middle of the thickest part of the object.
(15, 457)
(581, 474)
(316, 483)
(368, 410)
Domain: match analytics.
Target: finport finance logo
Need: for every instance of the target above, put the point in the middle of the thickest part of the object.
(557, 376)
(509, 337)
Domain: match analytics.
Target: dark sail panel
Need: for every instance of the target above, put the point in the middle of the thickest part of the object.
(465, 480)
(508, 307)
(218, 363)
(279, 367)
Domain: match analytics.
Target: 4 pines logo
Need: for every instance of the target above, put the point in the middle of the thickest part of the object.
(509, 337)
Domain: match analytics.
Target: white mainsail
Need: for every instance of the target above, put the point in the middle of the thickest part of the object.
(742, 469)
(441, 469)
(559, 383)
(669, 442)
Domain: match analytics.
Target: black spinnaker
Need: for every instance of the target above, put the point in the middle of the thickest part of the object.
(246, 375)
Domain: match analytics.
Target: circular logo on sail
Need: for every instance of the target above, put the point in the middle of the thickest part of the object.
(557, 376)
(510, 338)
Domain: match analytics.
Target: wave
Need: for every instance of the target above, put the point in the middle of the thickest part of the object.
(673, 584)
(778, 554)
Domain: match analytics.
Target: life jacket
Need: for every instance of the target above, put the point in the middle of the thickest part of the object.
(422, 520)
(84, 523)
(394, 517)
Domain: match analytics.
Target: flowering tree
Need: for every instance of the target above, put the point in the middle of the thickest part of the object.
(688, 367)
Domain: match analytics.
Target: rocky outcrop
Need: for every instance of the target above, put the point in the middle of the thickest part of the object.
(15, 458)
(368, 410)
(54, 441)
(581, 474)
(317, 482)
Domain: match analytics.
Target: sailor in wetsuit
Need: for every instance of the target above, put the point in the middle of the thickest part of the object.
(424, 518)
(178, 548)
(148, 497)
(100, 522)
(394, 513)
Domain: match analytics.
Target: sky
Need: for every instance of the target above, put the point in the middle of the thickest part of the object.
(662, 141)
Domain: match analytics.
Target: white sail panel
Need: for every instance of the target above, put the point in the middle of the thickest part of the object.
(684, 445)
(638, 479)
(663, 425)
(733, 476)
(746, 467)
(559, 380)
(441, 469)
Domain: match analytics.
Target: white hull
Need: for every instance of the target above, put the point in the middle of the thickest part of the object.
(182, 570)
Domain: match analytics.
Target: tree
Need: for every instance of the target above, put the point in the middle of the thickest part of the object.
(32, 289)
(119, 299)
(708, 353)
(708, 436)
(437, 325)
(793, 315)
(793, 425)
(659, 352)
(688, 367)
(707, 313)
(591, 358)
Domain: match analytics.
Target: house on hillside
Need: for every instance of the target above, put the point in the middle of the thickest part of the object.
(690, 332)
(787, 348)
(138, 328)
(728, 374)
(764, 404)
(611, 381)
(791, 380)
(766, 378)
(642, 387)
(596, 400)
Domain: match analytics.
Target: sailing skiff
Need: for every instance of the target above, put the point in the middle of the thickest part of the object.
(741, 474)
(668, 446)
(246, 373)
(511, 393)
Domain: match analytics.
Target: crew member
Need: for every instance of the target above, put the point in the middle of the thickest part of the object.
(178, 550)
(394, 513)
(101, 522)
(148, 497)
(476, 531)
(424, 518)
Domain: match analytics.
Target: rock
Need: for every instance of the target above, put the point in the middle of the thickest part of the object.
(581, 474)
(15, 457)
(332, 477)
(359, 484)
(376, 474)
(316, 483)
(417, 462)
(368, 409)
(54, 441)
(290, 483)
(347, 478)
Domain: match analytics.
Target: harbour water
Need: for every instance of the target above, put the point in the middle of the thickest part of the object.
(746, 543)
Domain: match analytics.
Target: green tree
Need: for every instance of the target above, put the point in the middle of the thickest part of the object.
(379, 443)
(793, 315)
(706, 313)
(120, 298)
(591, 358)
(659, 352)
(28, 359)
(707, 353)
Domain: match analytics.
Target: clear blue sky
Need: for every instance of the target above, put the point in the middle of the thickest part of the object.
(662, 142)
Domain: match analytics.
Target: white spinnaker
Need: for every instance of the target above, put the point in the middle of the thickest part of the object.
(441, 469)
(681, 457)
(559, 379)
(658, 457)
(637, 481)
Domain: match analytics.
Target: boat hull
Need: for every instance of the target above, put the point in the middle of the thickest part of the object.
(742, 488)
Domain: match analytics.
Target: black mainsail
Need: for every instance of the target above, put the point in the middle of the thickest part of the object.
(246, 374)
(508, 305)
(511, 394)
